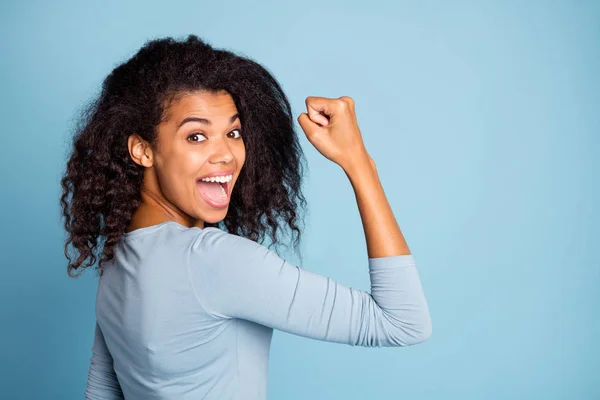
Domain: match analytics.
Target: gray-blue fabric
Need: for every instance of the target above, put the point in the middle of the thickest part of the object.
(189, 313)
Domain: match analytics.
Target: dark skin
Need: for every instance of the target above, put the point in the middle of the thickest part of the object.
(189, 151)
(210, 141)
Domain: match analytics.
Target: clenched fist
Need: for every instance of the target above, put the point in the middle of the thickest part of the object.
(331, 126)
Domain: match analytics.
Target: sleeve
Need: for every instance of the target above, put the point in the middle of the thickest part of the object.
(234, 277)
(102, 381)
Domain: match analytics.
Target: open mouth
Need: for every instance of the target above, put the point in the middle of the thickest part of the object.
(215, 190)
(225, 186)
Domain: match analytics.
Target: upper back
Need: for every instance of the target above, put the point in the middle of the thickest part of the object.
(155, 328)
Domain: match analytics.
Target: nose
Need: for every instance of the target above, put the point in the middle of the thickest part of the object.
(221, 152)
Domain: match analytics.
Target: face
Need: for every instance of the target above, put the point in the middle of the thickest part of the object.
(199, 155)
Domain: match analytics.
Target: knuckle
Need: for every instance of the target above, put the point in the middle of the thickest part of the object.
(347, 100)
(342, 104)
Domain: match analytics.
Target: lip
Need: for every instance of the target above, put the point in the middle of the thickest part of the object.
(218, 173)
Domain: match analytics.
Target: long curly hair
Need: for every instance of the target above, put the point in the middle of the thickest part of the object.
(101, 186)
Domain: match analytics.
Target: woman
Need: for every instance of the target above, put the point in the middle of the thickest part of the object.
(187, 160)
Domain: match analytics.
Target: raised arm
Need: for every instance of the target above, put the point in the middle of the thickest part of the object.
(234, 277)
(331, 126)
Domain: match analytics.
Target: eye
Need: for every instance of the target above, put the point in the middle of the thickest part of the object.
(235, 132)
(195, 137)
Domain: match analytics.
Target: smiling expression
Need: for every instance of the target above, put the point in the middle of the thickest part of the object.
(201, 138)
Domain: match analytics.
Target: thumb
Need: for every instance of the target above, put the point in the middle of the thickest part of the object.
(319, 110)
(308, 126)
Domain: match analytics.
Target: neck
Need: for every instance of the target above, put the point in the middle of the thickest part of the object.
(154, 208)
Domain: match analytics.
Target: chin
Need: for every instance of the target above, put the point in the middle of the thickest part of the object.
(214, 216)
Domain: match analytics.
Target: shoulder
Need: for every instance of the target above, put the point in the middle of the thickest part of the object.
(220, 257)
(213, 247)
(213, 240)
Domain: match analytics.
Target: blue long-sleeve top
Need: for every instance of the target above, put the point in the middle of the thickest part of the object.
(188, 313)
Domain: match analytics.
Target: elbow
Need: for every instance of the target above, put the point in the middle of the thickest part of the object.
(415, 332)
(423, 333)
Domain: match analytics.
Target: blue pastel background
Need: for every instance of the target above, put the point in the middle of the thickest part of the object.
(483, 119)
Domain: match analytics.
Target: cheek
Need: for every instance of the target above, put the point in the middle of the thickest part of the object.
(185, 161)
(240, 154)
(177, 169)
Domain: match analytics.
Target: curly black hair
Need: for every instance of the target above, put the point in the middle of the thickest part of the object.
(101, 184)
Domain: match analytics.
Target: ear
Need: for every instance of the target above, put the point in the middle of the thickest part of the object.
(140, 151)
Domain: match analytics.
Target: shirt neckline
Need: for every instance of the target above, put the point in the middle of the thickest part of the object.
(152, 228)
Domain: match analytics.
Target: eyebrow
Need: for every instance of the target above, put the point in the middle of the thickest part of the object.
(205, 121)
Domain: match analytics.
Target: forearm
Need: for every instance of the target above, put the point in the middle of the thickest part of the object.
(382, 233)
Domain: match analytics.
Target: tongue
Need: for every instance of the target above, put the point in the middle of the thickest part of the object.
(212, 190)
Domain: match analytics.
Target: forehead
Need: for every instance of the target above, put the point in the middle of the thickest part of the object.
(210, 105)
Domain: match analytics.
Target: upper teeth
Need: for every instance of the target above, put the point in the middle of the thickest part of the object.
(221, 179)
